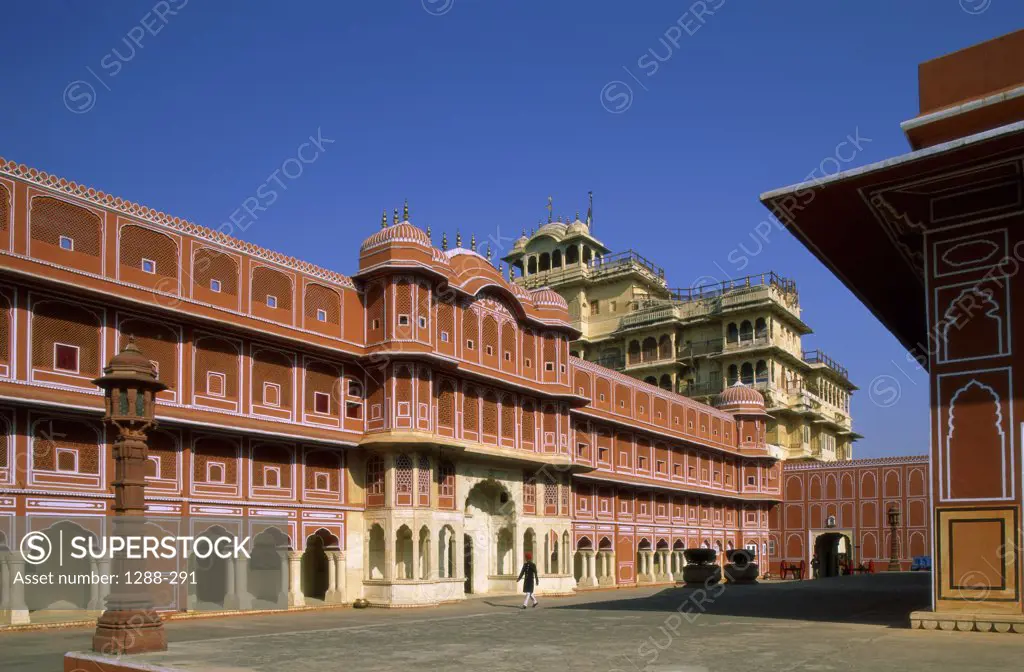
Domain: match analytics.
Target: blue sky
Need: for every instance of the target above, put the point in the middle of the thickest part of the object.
(478, 110)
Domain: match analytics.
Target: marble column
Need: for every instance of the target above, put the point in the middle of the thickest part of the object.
(607, 578)
(340, 572)
(295, 596)
(94, 587)
(587, 579)
(16, 612)
(591, 562)
(331, 597)
(230, 597)
(644, 568)
(282, 596)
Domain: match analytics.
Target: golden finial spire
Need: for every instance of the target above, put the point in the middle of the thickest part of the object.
(524, 232)
(405, 211)
(395, 220)
(472, 242)
(458, 238)
(444, 241)
(500, 268)
(511, 272)
(590, 207)
(488, 251)
(550, 204)
(384, 219)
(430, 237)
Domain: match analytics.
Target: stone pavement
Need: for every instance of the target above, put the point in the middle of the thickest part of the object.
(846, 623)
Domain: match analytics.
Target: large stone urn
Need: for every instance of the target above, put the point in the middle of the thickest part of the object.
(740, 567)
(700, 567)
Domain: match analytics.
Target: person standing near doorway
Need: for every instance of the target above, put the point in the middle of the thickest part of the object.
(528, 575)
(815, 564)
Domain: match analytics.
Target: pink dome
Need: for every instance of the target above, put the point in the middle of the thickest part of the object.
(548, 297)
(403, 232)
(740, 398)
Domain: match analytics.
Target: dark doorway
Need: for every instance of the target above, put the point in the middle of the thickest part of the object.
(467, 562)
(832, 562)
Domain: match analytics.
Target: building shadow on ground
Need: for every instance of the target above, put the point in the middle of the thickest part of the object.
(877, 599)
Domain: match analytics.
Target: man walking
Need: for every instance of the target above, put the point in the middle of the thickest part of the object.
(528, 574)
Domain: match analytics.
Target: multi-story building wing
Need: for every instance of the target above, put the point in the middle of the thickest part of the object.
(418, 427)
(695, 341)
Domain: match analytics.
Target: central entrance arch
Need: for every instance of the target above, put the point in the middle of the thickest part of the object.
(489, 525)
(834, 551)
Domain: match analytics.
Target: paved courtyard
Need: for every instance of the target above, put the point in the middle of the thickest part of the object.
(835, 624)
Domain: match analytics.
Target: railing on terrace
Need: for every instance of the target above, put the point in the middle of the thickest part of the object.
(748, 342)
(594, 268)
(737, 285)
(616, 363)
(695, 349)
(819, 357)
(701, 389)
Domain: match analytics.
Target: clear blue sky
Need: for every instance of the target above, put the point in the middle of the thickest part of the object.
(477, 110)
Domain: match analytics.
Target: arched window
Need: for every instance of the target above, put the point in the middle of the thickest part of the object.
(556, 259)
(572, 255)
(532, 266)
(761, 328)
(650, 349)
(761, 373)
(587, 255)
(732, 334)
(734, 374)
(746, 331)
(747, 374)
(634, 352)
(545, 262)
(665, 347)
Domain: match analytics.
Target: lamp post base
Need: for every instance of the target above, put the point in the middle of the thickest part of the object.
(127, 632)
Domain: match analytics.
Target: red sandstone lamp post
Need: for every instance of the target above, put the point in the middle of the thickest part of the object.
(894, 547)
(129, 624)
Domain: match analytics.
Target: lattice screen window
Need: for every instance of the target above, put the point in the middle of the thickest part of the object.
(469, 327)
(210, 268)
(272, 477)
(529, 491)
(65, 323)
(446, 478)
(322, 403)
(529, 424)
(446, 405)
(271, 394)
(5, 329)
(5, 209)
(274, 368)
(375, 475)
(322, 482)
(66, 243)
(423, 305)
(220, 357)
(325, 465)
(215, 472)
(403, 475)
(445, 321)
(322, 304)
(403, 302)
(164, 448)
(67, 460)
(151, 251)
(423, 478)
(550, 494)
(490, 415)
(153, 466)
(508, 418)
(508, 341)
(490, 335)
(51, 219)
(270, 286)
(157, 341)
(215, 383)
(207, 452)
(470, 410)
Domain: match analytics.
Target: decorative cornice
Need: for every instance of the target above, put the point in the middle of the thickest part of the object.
(865, 462)
(44, 180)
